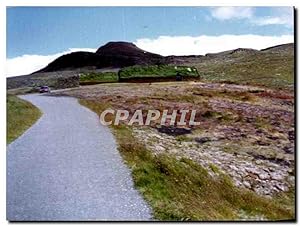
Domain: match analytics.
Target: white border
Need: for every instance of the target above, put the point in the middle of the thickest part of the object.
(148, 3)
(3, 113)
(5, 3)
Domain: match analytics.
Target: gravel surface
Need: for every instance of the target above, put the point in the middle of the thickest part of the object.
(67, 167)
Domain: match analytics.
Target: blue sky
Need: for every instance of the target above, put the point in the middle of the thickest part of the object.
(45, 31)
(42, 30)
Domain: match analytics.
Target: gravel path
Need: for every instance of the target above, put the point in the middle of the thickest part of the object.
(66, 167)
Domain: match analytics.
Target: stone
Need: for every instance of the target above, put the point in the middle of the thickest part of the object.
(253, 170)
(202, 140)
(233, 167)
(258, 162)
(155, 135)
(174, 131)
(159, 148)
(288, 150)
(263, 176)
(280, 187)
(246, 184)
(276, 176)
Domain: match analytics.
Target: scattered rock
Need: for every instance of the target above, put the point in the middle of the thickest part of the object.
(288, 150)
(264, 176)
(272, 137)
(253, 171)
(280, 186)
(259, 131)
(262, 143)
(278, 161)
(275, 123)
(233, 167)
(247, 184)
(174, 131)
(258, 162)
(291, 134)
(202, 140)
(160, 148)
(276, 176)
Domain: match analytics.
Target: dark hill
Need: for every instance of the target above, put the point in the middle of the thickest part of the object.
(71, 61)
(111, 55)
(124, 49)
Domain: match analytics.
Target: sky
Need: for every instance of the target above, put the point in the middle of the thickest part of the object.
(38, 35)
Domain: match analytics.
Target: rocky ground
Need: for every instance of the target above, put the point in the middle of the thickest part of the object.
(245, 132)
(260, 175)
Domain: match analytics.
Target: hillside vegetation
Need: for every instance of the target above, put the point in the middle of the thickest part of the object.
(157, 71)
(270, 68)
(20, 116)
(139, 72)
(90, 78)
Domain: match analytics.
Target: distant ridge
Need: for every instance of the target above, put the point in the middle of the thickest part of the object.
(233, 51)
(279, 48)
(121, 54)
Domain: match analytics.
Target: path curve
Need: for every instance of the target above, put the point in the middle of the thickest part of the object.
(67, 167)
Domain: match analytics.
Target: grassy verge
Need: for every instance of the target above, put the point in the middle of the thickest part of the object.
(20, 116)
(183, 190)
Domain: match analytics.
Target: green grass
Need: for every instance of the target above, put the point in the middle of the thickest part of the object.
(20, 116)
(183, 190)
(97, 77)
(183, 138)
(273, 70)
(23, 90)
(155, 71)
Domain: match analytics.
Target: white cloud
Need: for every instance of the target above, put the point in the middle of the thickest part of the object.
(231, 12)
(186, 45)
(279, 15)
(27, 64)
(282, 16)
